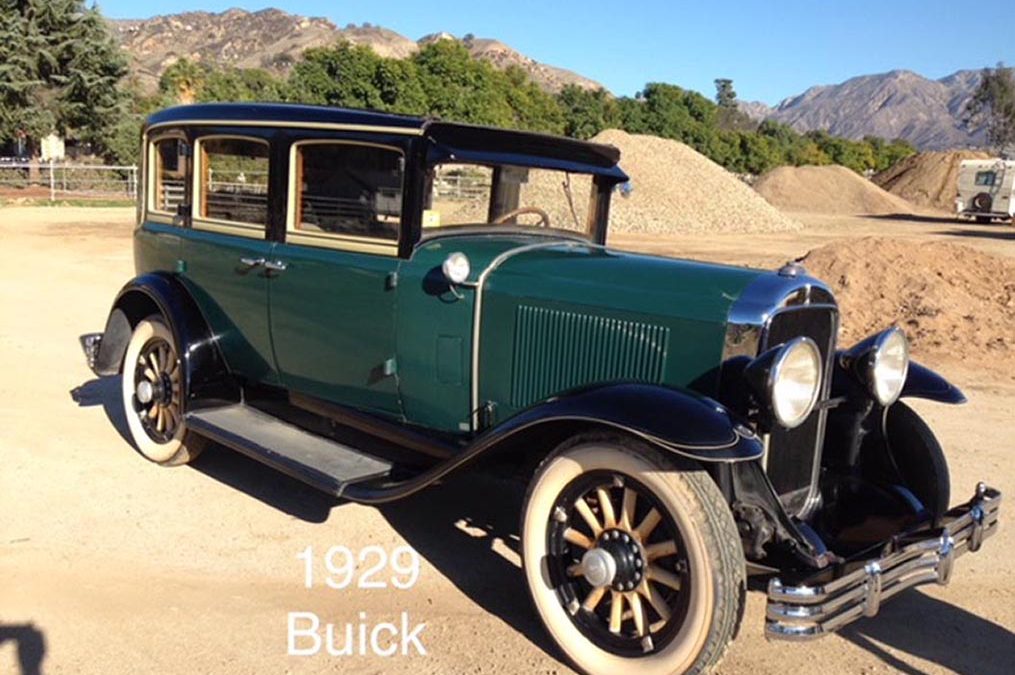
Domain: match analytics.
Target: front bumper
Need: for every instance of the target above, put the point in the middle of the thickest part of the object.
(90, 344)
(811, 610)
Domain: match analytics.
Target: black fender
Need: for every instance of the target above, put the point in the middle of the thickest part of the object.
(676, 420)
(922, 382)
(205, 375)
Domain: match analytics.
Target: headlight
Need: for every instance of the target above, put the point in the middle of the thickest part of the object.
(888, 366)
(787, 380)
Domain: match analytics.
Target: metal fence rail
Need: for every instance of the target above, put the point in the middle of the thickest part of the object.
(62, 179)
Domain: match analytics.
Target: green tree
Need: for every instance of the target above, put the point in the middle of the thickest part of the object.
(993, 106)
(60, 70)
(586, 112)
(725, 96)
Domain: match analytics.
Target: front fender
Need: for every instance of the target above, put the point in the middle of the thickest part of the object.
(676, 420)
(205, 375)
(922, 382)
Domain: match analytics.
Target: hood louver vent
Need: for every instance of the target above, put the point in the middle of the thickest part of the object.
(557, 350)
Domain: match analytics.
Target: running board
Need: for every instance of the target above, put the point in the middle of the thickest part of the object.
(315, 460)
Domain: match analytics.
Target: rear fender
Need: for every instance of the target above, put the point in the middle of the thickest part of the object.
(205, 375)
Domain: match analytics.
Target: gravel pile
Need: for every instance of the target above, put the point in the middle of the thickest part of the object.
(951, 300)
(928, 179)
(827, 189)
(677, 190)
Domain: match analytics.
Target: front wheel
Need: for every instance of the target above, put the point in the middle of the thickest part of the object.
(632, 558)
(152, 393)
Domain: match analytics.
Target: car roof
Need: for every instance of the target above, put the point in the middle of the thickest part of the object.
(450, 141)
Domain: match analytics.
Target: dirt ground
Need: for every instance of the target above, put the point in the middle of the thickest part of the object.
(110, 564)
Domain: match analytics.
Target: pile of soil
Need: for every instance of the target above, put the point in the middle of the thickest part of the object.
(928, 179)
(827, 189)
(677, 190)
(951, 300)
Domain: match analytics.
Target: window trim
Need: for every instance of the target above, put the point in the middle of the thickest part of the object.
(343, 242)
(150, 182)
(220, 225)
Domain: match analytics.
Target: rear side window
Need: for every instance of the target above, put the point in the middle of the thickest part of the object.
(347, 189)
(169, 171)
(985, 178)
(233, 185)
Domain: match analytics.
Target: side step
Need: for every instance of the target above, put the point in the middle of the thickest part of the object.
(317, 461)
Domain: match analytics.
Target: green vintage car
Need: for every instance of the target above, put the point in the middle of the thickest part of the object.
(368, 302)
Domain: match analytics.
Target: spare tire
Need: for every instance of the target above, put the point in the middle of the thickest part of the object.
(983, 202)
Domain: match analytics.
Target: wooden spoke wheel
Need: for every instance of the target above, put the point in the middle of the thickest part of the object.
(632, 558)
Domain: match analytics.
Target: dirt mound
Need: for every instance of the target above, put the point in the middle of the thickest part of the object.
(950, 299)
(927, 179)
(679, 190)
(827, 189)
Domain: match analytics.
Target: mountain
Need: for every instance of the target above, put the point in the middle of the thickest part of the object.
(273, 39)
(898, 104)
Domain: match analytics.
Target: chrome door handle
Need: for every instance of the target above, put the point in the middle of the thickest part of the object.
(275, 265)
(252, 262)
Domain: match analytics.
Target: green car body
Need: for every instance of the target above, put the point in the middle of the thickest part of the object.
(353, 298)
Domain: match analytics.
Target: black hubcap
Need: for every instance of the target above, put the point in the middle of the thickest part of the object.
(157, 390)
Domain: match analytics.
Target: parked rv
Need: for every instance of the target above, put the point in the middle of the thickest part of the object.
(985, 189)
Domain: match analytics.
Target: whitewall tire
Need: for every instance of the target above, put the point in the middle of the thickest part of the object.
(152, 393)
(632, 558)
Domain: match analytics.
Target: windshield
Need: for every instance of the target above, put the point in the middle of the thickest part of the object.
(508, 196)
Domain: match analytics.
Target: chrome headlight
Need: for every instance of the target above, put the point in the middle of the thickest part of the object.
(787, 380)
(886, 365)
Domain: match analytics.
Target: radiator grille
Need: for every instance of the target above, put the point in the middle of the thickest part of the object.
(557, 350)
(792, 453)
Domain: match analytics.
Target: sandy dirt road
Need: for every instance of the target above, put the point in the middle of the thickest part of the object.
(109, 564)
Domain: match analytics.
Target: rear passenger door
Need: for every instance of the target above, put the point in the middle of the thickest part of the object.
(226, 246)
(333, 304)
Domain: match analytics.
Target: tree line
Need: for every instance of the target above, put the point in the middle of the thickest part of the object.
(61, 70)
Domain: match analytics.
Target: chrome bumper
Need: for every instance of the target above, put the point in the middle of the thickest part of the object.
(805, 612)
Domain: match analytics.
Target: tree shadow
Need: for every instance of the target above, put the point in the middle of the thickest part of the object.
(30, 643)
(104, 391)
(1007, 234)
(468, 529)
(935, 631)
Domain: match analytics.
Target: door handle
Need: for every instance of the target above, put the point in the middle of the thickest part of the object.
(274, 265)
(252, 262)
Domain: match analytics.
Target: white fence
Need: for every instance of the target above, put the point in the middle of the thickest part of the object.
(62, 180)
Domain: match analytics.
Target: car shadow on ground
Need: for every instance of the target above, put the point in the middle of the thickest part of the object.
(915, 218)
(225, 466)
(30, 644)
(468, 529)
(935, 631)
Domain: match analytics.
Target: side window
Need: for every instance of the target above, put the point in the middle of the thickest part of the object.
(985, 178)
(169, 174)
(233, 181)
(346, 190)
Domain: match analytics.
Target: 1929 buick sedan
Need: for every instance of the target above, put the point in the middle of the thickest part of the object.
(368, 302)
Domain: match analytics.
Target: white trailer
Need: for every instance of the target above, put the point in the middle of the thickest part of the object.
(986, 190)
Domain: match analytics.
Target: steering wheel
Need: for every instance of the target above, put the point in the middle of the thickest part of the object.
(544, 217)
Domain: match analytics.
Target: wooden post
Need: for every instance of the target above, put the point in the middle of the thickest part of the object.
(52, 183)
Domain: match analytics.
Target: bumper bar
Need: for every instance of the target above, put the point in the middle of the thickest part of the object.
(805, 611)
(90, 346)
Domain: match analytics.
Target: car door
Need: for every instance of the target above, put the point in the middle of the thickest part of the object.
(332, 294)
(225, 248)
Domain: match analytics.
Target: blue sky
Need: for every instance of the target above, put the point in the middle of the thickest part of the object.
(770, 49)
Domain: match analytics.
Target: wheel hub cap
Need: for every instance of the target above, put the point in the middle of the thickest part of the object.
(627, 558)
(145, 391)
(598, 567)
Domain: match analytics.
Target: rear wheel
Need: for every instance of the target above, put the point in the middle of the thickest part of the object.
(632, 558)
(152, 394)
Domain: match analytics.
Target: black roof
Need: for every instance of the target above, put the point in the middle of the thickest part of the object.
(450, 141)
